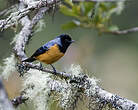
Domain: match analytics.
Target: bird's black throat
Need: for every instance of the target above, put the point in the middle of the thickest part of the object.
(63, 47)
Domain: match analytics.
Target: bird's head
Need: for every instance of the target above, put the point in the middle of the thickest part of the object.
(66, 40)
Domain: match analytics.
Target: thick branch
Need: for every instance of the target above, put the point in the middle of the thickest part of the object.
(16, 16)
(26, 32)
(115, 100)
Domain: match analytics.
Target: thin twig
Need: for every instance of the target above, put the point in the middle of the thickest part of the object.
(134, 29)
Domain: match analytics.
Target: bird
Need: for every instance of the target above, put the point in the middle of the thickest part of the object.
(51, 51)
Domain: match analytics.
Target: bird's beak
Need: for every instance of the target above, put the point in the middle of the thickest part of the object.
(72, 41)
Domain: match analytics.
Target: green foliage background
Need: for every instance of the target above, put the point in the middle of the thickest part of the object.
(111, 58)
(91, 14)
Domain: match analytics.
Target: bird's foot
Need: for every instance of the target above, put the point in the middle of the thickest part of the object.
(41, 66)
(54, 69)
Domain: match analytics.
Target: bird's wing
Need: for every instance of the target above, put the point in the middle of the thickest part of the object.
(39, 51)
(45, 47)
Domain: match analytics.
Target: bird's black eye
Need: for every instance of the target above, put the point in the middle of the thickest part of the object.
(67, 40)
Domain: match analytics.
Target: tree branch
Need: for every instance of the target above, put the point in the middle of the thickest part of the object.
(16, 16)
(115, 100)
(134, 29)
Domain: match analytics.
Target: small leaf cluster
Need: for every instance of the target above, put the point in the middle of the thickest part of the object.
(96, 15)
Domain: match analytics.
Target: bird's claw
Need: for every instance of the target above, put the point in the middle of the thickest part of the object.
(41, 66)
(53, 69)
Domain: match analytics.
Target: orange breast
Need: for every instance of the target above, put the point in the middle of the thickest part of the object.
(50, 56)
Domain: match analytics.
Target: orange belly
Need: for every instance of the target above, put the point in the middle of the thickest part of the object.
(50, 56)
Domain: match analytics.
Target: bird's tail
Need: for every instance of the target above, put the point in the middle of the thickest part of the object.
(30, 59)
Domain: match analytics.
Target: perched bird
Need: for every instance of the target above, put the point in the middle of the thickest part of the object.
(52, 51)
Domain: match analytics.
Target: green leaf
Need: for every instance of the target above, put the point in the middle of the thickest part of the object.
(67, 11)
(69, 25)
(86, 7)
(113, 28)
(69, 2)
(97, 19)
(76, 10)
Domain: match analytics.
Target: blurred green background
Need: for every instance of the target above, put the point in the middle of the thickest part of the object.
(110, 58)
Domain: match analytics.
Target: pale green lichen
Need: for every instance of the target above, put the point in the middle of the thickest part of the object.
(37, 90)
(38, 86)
(63, 90)
(70, 95)
(91, 86)
(74, 70)
(66, 97)
(9, 66)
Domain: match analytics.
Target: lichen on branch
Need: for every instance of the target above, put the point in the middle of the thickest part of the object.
(72, 86)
